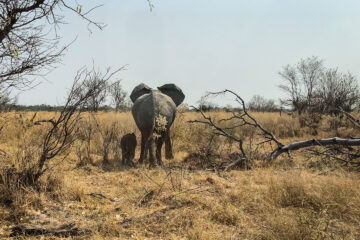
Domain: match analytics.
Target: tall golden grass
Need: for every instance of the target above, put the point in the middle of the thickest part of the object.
(303, 198)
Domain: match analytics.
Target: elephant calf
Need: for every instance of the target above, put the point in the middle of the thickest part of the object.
(128, 145)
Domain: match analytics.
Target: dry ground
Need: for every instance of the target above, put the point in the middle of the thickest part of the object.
(306, 198)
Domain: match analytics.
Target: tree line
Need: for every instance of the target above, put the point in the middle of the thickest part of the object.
(309, 87)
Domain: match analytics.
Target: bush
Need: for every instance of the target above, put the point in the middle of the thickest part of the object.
(310, 87)
(260, 104)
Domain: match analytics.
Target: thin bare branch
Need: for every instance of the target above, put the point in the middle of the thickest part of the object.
(350, 117)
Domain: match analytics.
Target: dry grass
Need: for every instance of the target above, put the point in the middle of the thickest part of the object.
(300, 199)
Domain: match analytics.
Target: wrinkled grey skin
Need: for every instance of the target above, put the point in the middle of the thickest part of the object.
(128, 145)
(149, 104)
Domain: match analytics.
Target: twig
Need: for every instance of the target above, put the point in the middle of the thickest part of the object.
(218, 129)
(234, 163)
(84, 15)
(146, 198)
(350, 117)
(99, 195)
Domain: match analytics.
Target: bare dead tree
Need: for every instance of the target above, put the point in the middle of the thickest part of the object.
(95, 79)
(85, 136)
(244, 118)
(337, 90)
(113, 90)
(261, 104)
(109, 135)
(61, 135)
(300, 83)
(312, 88)
(218, 130)
(118, 96)
(29, 43)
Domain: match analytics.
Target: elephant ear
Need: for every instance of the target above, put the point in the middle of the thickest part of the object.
(174, 92)
(138, 91)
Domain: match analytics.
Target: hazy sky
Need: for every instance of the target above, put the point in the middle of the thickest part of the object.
(207, 45)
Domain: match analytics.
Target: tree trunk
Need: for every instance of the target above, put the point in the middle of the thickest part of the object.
(314, 142)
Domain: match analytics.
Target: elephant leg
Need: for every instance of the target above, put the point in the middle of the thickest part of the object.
(126, 160)
(144, 146)
(159, 143)
(131, 157)
(168, 147)
(129, 161)
(123, 160)
(146, 154)
(151, 152)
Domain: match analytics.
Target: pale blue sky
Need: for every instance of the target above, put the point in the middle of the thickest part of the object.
(207, 45)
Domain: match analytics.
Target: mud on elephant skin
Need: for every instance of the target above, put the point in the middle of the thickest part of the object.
(154, 112)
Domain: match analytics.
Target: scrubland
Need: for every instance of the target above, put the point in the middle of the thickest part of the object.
(88, 194)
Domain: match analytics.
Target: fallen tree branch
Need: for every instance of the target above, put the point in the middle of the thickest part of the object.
(218, 130)
(350, 117)
(65, 230)
(237, 162)
(99, 195)
(45, 121)
(244, 118)
(313, 142)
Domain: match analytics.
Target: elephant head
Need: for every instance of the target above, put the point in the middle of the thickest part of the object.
(171, 90)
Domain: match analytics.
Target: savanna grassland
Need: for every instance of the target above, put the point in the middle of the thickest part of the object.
(87, 194)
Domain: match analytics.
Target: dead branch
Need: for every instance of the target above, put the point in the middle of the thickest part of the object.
(44, 121)
(350, 117)
(245, 118)
(64, 230)
(61, 136)
(218, 130)
(99, 195)
(146, 198)
(29, 41)
(234, 163)
(84, 15)
(151, 5)
(314, 142)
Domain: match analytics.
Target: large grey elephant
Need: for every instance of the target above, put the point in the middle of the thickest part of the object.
(154, 112)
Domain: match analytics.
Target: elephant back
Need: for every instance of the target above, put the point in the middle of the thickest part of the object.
(138, 91)
(174, 92)
(149, 107)
(144, 113)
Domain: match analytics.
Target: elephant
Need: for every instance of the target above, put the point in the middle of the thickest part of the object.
(128, 145)
(154, 112)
